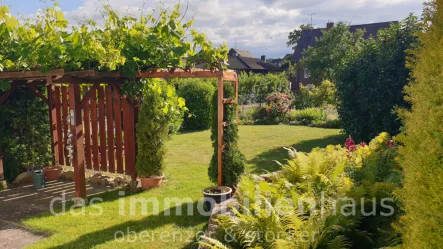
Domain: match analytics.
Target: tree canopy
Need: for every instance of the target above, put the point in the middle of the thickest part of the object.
(125, 43)
(331, 52)
(370, 84)
(294, 36)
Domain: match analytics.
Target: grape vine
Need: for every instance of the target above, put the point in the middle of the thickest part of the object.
(159, 40)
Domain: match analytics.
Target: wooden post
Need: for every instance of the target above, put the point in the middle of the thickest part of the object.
(220, 130)
(78, 160)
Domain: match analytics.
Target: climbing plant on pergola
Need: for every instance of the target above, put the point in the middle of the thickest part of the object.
(92, 74)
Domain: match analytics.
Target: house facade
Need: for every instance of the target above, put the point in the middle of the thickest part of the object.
(308, 39)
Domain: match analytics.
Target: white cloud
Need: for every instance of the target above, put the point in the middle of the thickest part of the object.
(262, 26)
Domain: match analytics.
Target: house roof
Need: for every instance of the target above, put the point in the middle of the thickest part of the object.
(308, 37)
(242, 53)
(247, 63)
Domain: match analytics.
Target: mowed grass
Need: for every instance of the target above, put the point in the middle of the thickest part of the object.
(187, 161)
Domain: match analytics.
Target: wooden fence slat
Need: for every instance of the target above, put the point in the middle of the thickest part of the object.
(110, 129)
(58, 120)
(102, 129)
(94, 129)
(118, 129)
(53, 120)
(129, 137)
(87, 125)
(65, 116)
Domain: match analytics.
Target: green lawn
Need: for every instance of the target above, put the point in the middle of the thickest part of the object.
(187, 162)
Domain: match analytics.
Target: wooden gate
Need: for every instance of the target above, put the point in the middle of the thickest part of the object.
(108, 120)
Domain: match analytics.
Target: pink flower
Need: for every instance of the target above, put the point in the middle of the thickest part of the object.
(349, 142)
(390, 143)
(352, 148)
(268, 110)
(363, 144)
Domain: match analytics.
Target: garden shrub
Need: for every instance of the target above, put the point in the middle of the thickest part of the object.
(233, 159)
(422, 139)
(276, 110)
(311, 96)
(310, 116)
(281, 208)
(25, 136)
(254, 88)
(198, 94)
(247, 117)
(370, 86)
(160, 107)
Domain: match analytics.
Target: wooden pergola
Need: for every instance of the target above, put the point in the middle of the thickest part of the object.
(106, 117)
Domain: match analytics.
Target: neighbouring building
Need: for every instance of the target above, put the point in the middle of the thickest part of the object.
(308, 39)
(244, 61)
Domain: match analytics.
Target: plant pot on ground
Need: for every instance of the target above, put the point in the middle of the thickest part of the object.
(52, 173)
(151, 182)
(215, 195)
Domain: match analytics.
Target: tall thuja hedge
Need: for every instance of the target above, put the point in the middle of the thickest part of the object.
(421, 153)
(160, 111)
(25, 135)
(370, 86)
(233, 159)
(198, 96)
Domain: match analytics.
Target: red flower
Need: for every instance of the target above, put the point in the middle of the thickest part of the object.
(349, 142)
(363, 144)
(390, 143)
(268, 110)
(352, 148)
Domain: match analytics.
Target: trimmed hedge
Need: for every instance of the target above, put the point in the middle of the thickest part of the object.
(198, 94)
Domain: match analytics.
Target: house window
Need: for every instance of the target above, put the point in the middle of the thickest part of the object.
(307, 74)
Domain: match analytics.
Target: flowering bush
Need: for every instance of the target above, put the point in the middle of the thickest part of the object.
(277, 108)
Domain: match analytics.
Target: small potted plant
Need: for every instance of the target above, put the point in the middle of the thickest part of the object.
(52, 173)
(233, 160)
(160, 107)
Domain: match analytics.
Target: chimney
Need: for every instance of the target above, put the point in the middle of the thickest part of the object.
(329, 25)
(263, 57)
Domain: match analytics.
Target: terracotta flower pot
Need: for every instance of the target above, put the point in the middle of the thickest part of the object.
(151, 182)
(52, 173)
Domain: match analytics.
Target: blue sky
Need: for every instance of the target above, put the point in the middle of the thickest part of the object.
(260, 26)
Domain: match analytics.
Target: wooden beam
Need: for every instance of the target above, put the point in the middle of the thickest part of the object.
(6, 95)
(220, 110)
(180, 74)
(230, 78)
(30, 74)
(90, 93)
(78, 155)
(229, 101)
(38, 93)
